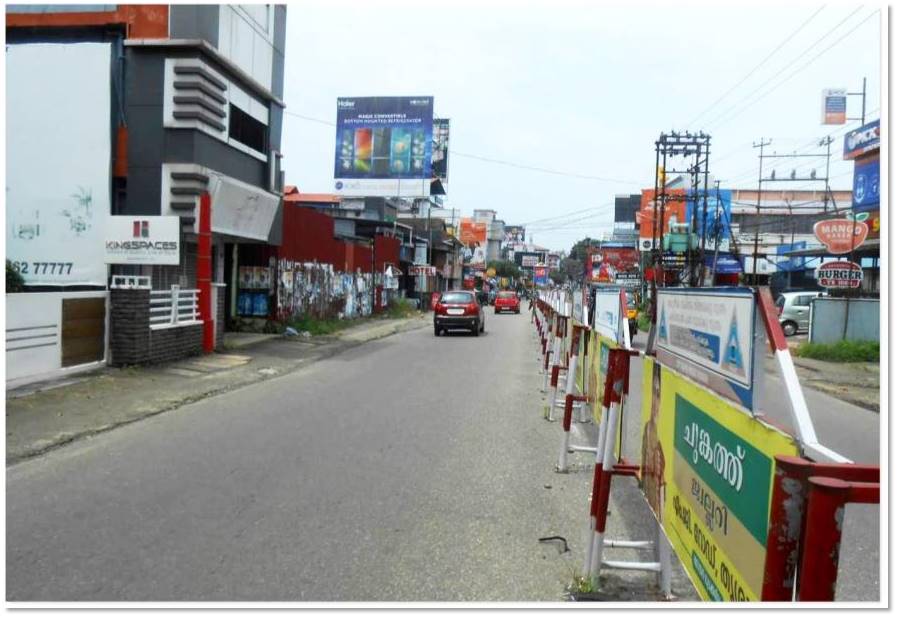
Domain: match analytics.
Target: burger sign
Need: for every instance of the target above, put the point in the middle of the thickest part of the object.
(839, 275)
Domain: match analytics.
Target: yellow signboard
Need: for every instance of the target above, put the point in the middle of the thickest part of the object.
(707, 473)
(599, 353)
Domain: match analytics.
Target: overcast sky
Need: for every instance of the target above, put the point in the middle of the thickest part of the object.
(579, 89)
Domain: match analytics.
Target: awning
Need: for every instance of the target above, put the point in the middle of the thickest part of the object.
(868, 247)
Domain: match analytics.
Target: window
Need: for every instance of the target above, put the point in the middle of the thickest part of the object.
(456, 297)
(247, 130)
(803, 300)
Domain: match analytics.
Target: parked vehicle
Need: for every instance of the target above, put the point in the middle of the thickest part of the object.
(794, 310)
(459, 309)
(507, 301)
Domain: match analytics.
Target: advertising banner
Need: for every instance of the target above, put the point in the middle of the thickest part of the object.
(473, 237)
(608, 262)
(514, 233)
(834, 106)
(527, 260)
(788, 263)
(708, 334)
(540, 275)
(384, 146)
(608, 314)
(674, 209)
(715, 225)
(143, 240)
(707, 473)
(841, 236)
(862, 140)
(439, 163)
(839, 275)
(58, 173)
(866, 184)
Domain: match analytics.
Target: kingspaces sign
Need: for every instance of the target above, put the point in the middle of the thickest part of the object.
(384, 146)
(143, 240)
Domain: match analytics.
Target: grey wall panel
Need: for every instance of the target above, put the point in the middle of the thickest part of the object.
(144, 191)
(275, 127)
(192, 146)
(191, 21)
(144, 77)
(280, 27)
(146, 144)
(828, 320)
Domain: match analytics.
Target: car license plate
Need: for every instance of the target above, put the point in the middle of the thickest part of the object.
(455, 311)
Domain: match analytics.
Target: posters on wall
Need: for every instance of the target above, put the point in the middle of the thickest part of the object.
(707, 473)
(384, 146)
(473, 237)
(609, 262)
(57, 202)
(607, 317)
(866, 184)
(708, 335)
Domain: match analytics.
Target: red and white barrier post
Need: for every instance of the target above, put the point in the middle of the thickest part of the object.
(570, 397)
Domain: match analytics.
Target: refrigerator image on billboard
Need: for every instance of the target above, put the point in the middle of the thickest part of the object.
(384, 146)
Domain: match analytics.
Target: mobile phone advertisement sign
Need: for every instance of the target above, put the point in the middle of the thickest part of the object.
(708, 335)
(384, 146)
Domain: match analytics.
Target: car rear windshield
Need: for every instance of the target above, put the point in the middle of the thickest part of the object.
(504, 295)
(456, 298)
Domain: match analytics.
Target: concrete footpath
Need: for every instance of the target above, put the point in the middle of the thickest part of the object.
(42, 417)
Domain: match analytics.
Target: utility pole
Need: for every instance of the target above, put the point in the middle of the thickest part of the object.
(827, 142)
(763, 143)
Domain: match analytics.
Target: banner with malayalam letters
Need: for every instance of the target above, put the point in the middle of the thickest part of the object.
(707, 473)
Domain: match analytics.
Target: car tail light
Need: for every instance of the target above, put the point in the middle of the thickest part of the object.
(472, 308)
(439, 308)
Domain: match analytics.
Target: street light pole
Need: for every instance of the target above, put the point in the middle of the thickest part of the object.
(763, 143)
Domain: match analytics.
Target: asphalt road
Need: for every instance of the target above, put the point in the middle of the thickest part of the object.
(411, 468)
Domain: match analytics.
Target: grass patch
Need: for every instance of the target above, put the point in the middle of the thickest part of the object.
(317, 327)
(400, 308)
(842, 351)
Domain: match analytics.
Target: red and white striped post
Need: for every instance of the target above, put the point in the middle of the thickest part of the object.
(556, 366)
(570, 397)
(204, 272)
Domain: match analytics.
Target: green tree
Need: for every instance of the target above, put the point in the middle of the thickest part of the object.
(504, 268)
(573, 268)
(579, 249)
(558, 276)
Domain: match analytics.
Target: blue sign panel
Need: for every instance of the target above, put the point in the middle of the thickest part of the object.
(862, 140)
(793, 264)
(865, 185)
(719, 214)
(384, 146)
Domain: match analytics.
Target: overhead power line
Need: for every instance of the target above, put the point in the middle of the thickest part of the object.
(754, 70)
(495, 161)
(714, 123)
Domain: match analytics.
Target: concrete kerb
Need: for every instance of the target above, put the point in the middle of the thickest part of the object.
(52, 439)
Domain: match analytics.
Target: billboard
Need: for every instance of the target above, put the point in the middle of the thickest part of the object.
(716, 223)
(526, 260)
(514, 233)
(608, 262)
(866, 184)
(707, 473)
(58, 181)
(473, 237)
(862, 140)
(834, 106)
(439, 164)
(540, 275)
(384, 146)
(675, 208)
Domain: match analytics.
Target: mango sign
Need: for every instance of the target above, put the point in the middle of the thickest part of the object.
(836, 234)
(707, 473)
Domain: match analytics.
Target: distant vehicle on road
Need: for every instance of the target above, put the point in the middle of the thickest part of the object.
(632, 315)
(459, 309)
(794, 310)
(507, 301)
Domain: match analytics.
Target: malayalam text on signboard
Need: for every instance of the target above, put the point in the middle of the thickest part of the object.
(707, 473)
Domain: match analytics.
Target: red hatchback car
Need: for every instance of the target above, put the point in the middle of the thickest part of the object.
(458, 309)
(507, 301)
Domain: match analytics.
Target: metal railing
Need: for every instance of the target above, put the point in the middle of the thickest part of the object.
(174, 307)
